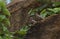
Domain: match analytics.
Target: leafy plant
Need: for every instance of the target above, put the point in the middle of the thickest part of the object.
(49, 11)
(22, 32)
(4, 22)
(56, 4)
(54, 10)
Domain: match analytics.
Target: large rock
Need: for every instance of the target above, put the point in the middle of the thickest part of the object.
(48, 28)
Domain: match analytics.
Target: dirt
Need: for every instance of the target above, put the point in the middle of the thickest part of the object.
(19, 10)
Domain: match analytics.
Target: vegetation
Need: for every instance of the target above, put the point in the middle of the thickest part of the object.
(4, 21)
(42, 11)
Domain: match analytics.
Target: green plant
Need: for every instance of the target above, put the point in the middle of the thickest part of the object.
(4, 21)
(45, 10)
(22, 32)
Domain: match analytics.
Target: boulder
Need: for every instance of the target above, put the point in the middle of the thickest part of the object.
(48, 28)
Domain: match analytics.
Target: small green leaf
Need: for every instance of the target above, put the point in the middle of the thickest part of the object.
(2, 4)
(30, 11)
(6, 12)
(43, 14)
(1, 37)
(6, 22)
(55, 10)
(56, 3)
(23, 30)
(2, 17)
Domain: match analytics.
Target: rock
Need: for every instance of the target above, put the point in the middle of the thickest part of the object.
(48, 28)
